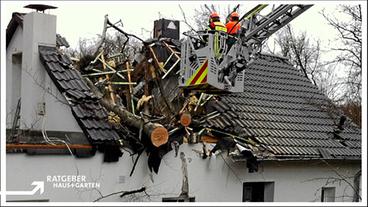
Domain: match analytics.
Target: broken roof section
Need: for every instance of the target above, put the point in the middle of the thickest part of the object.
(285, 113)
(280, 110)
(90, 115)
(61, 41)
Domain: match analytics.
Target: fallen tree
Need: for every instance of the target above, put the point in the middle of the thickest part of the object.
(157, 133)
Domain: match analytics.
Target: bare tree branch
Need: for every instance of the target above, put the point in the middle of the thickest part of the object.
(185, 19)
(123, 193)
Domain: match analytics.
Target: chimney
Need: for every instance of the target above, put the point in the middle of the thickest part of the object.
(38, 29)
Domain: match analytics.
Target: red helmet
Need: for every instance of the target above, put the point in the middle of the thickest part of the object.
(214, 15)
(234, 14)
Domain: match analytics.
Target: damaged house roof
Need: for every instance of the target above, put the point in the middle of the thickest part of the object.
(285, 113)
(90, 115)
(280, 109)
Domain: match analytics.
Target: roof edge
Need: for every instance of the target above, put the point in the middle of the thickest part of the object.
(274, 56)
(16, 20)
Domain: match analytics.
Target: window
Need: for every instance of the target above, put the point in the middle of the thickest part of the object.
(16, 76)
(258, 191)
(15, 86)
(328, 194)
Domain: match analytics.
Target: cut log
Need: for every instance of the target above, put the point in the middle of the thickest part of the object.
(185, 119)
(157, 133)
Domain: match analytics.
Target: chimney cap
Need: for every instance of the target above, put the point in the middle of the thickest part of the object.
(39, 7)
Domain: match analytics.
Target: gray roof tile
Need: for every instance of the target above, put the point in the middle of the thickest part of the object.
(90, 115)
(285, 112)
(61, 41)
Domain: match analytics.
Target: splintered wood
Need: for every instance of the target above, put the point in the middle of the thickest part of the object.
(157, 133)
(130, 97)
(112, 94)
(159, 65)
(209, 139)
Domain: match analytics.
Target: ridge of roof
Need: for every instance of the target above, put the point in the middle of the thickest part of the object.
(16, 20)
(275, 56)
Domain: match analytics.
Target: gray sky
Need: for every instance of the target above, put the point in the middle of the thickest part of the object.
(82, 19)
(85, 19)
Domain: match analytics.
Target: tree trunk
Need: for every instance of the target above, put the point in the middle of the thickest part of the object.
(156, 132)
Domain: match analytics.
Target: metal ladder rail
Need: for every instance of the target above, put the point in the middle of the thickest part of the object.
(265, 21)
(281, 22)
(274, 21)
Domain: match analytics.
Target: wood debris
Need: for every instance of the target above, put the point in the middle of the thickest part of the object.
(143, 96)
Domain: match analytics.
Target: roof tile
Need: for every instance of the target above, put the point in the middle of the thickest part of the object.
(284, 111)
(90, 115)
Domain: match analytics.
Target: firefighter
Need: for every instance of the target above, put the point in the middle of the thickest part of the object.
(216, 26)
(233, 26)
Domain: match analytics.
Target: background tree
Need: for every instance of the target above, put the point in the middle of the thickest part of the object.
(201, 17)
(302, 52)
(349, 51)
(202, 14)
(114, 43)
(305, 54)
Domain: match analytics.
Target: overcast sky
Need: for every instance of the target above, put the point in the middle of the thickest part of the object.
(82, 19)
(85, 19)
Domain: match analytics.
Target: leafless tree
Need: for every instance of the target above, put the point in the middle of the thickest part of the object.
(349, 55)
(350, 38)
(306, 55)
(301, 50)
(115, 43)
(329, 83)
(201, 17)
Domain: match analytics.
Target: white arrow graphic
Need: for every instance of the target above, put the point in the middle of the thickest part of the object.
(39, 185)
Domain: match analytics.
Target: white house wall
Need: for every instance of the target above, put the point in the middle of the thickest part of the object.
(302, 181)
(15, 47)
(38, 28)
(37, 87)
(210, 180)
(59, 116)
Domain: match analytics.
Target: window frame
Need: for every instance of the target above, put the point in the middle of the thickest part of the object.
(268, 193)
(324, 198)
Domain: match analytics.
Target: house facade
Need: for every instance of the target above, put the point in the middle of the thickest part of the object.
(210, 180)
(304, 153)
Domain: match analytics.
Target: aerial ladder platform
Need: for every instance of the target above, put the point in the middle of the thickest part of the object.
(211, 63)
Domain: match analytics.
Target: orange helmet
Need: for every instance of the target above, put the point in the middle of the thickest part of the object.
(234, 14)
(214, 15)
